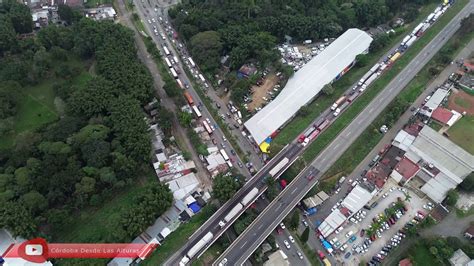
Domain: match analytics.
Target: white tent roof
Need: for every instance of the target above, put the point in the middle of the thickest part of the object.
(357, 199)
(308, 82)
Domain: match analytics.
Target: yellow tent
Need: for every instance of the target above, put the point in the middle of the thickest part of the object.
(264, 147)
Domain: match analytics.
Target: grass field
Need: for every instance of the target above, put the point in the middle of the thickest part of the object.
(461, 133)
(98, 225)
(37, 107)
(463, 103)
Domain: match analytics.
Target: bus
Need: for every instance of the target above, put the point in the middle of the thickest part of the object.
(167, 52)
(173, 72)
(196, 111)
(189, 98)
(207, 127)
(168, 63)
(395, 57)
(224, 154)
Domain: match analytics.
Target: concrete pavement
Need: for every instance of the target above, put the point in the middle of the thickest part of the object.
(243, 247)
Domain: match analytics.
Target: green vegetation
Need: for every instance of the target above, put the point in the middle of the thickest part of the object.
(98, 147)
(224, 187)
(176, 239)
(305, 235)
(96, 3)
(322, 102)
(462, 102)
(461, 133)
(370, 137)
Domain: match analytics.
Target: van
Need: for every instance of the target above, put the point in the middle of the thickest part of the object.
(342, 179)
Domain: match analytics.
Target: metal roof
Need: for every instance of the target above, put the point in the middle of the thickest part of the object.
(308, 82)
(357, 199)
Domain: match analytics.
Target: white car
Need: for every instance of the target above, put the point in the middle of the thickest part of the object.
(385, 195)
(223, 262)
(338, 190)
(305, 223)
(292, 240)
(300, 255)
(287, 244)
(338, 230)
(282, 226)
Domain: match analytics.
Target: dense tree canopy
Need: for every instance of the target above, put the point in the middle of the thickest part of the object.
(249, 30)
(98, 145)
(224, 187)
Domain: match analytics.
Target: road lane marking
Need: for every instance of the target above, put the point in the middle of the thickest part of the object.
(335, 146)
(293, 192)
(349, 133)
(243, 244)
(371, 109)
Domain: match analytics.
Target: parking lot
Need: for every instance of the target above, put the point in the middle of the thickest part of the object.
(349, 238)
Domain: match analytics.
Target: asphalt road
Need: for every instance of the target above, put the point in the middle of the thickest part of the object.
(146, 12)
(249, 240)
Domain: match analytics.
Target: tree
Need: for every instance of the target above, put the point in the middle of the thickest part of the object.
(294, 221)
(362, 60)
(454, 242)
(304, 111)
(452, 197)
(328, 89)
(467, 24)
(9, 97)
(20, 16)
(16, 218)
(272, 191)
(7, 34)
(305, 235)
(224, 187)
(185, 118)
(207, 48)
(66, 13)
(468, 183)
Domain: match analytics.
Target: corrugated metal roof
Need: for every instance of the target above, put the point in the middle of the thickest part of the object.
(308, 82)
(357, 199)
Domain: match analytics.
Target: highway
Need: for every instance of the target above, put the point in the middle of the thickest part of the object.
(147, 12)
(243, 247)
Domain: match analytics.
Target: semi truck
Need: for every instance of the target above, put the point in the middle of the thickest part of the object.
(417, 28)
(410, 42)
(191, 62)
(196, 248)
(338, 102)
(405, 40)
(250, 196)
(323, 124)
(173, 72)
(189, 98)
(278, 167)
(364, 78)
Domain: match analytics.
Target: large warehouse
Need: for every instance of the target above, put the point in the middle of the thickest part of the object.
(308, 82)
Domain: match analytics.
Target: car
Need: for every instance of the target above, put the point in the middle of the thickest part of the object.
(282, 225)
(321, 255)
(343, 247)
(350, 233)
(300, 255)
(383, 253)
(420, 214)
(223, 262)
(149, 21)
(287, 245)
(240, 164)
(338, 230)
(305, 223)
(224, 139)
(233, 152)
(338, 190)
(223, 145)
(348, 254)
(385, 195)
(362, 232)
(391, 189)
(292, 240)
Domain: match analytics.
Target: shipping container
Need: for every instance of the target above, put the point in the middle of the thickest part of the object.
(323, 125)
(201, 77)
(278, 167)
(168, 63)
(167, 52)
(173, 72)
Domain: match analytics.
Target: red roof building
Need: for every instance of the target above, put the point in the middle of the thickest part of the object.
(442, 115)
(407, 168)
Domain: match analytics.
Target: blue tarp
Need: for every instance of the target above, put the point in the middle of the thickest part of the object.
(195, 207)
(327, 245)
(311, 211)
(268, 140)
